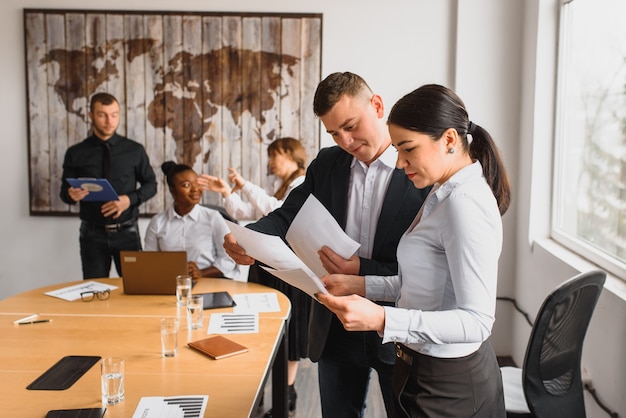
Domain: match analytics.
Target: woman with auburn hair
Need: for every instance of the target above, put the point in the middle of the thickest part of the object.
(287, 161)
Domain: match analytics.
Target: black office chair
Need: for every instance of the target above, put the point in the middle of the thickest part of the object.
(549, 384)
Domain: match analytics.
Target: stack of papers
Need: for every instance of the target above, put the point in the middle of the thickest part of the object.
(312, 228)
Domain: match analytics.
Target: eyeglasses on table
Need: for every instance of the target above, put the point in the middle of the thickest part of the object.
(95, 294)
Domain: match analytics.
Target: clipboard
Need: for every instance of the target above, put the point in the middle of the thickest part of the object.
(100, 190)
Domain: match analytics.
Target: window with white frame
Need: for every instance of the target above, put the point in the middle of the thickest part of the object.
(589, 207)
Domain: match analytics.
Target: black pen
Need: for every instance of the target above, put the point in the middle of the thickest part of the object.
(35, 322)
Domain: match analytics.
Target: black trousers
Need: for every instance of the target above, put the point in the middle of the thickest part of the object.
(344, 371)
(468, 386)
(98, 246)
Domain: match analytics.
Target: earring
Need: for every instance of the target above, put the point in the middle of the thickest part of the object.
(450, 150)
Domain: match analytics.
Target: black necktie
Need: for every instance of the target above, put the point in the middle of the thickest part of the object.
(106, 161)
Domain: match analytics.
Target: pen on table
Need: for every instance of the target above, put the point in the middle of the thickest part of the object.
(28, 318)
(35, 322)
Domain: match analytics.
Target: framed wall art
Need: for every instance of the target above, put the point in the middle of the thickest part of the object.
(206, 89)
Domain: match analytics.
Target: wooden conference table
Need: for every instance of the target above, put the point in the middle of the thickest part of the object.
(129, 326)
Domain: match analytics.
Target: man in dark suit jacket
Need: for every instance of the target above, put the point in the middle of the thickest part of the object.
(353, 115)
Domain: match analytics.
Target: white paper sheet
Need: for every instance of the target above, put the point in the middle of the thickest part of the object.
(308, 283)
(171, 406)
(268, 249)
(312, 228)
(72, 293)
(256, 302)
(233, 323)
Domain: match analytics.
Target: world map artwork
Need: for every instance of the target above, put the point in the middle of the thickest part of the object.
(183, 87)
(208, 90)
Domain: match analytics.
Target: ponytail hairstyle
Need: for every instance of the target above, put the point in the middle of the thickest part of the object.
(171, 169)
(293, 149)
(431, 110)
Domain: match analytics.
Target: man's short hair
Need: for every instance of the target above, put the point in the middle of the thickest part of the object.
(330, 90)
(102, 98)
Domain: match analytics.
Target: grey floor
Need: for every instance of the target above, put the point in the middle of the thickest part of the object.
(308, 404)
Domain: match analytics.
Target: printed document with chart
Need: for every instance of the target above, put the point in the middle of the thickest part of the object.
(311, 229)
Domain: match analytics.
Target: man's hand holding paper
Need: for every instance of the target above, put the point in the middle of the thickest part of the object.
(313, 228)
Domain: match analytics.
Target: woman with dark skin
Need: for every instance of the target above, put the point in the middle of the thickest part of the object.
(191, 227)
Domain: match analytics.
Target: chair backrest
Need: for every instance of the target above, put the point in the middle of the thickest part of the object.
(551, 375)
(222, 212)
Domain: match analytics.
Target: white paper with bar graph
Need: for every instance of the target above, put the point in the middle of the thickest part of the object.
(184, 406)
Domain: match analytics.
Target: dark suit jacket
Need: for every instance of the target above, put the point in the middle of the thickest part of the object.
(328, 178)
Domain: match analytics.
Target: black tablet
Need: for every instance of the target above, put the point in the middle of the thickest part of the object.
(215, 300)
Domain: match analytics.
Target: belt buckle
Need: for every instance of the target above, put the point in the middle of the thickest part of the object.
(112, 227)
(407, 358)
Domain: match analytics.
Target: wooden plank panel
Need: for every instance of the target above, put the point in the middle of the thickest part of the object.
(40, 186)
(76, 82)
(57, 115)
(116, 75)
(95, 52)
(251, 100)
(290, 79)
(231, 93)
(270, 84)
(172, 52)
(134, 47)
(310, 62)
(155, 131)
(212, 144)
(193, 92)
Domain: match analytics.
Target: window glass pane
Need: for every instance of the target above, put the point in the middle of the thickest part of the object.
(590, 176)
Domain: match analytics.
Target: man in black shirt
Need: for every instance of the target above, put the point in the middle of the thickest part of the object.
(107, 227)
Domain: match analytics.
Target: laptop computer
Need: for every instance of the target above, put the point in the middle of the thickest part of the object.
(152, 272)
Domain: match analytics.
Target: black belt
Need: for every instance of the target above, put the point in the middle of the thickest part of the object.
(112, 227)
(405, 354)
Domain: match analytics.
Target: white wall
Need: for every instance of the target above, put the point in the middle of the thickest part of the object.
(488, 50)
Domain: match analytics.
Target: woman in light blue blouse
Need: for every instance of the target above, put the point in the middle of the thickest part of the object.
(445, 292)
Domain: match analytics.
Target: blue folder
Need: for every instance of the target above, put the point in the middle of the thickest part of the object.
(100, 190)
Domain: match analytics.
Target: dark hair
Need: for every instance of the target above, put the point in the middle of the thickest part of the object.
(171, 169)
(294, 149)
(102, 98)
(330, 90)
(431, 110)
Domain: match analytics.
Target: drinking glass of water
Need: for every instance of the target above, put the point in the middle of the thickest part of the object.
(112, 375)
(183, 290)
(169, 336)
(194, 311)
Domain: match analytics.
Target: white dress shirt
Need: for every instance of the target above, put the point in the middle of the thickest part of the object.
(445, 291)
(259, 202)
(368, 186)
(200, 233)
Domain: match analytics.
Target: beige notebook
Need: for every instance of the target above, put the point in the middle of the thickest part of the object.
(218, 347)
